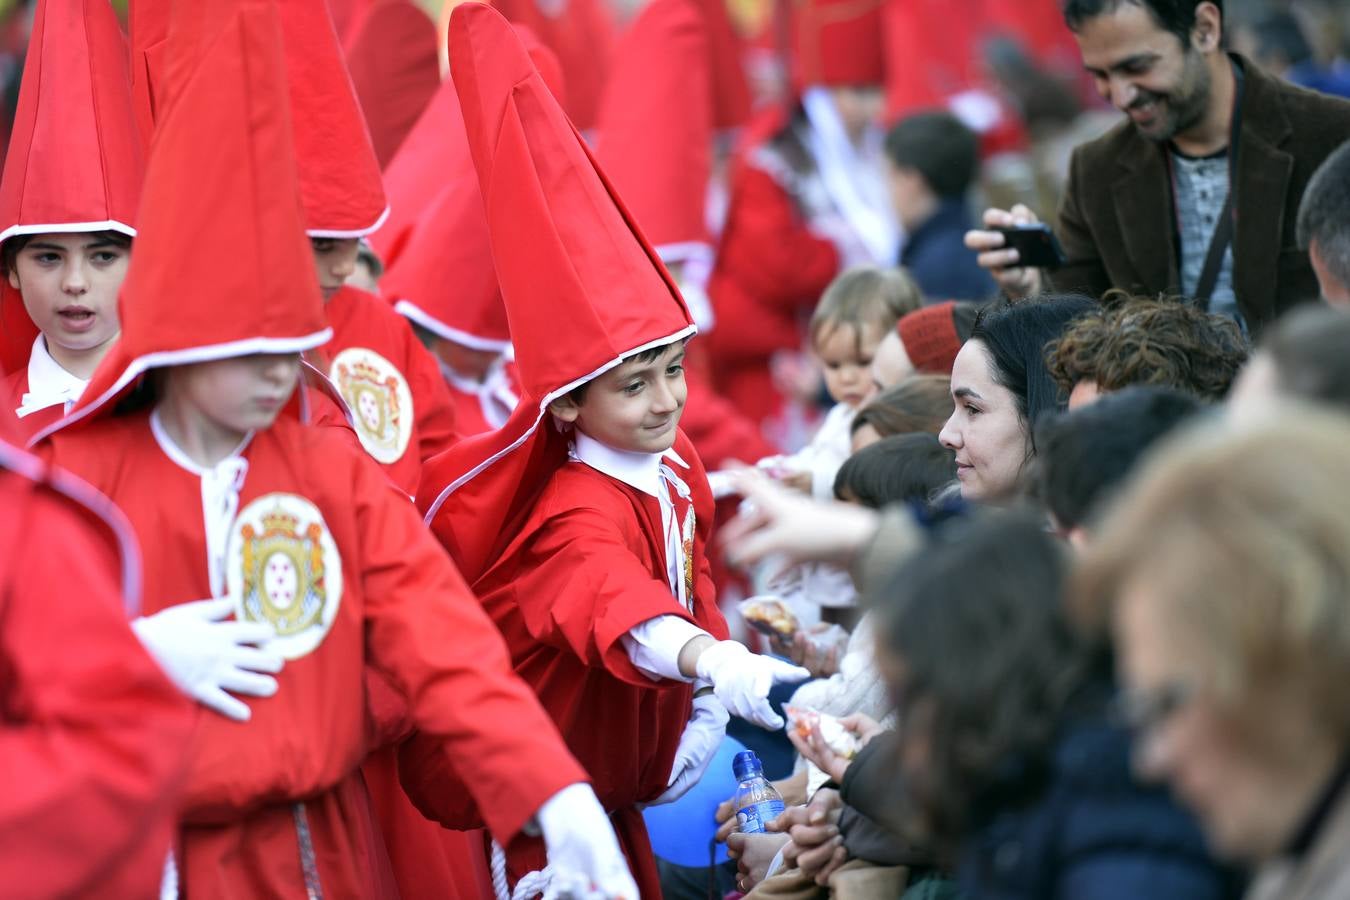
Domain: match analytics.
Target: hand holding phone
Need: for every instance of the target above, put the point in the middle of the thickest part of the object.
(1036, 245)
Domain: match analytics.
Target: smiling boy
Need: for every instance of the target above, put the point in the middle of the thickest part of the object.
(582, 523)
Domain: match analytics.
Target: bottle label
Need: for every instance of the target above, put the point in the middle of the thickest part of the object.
(753, 818)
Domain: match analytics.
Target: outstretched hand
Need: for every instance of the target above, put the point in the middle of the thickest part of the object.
(778, 521)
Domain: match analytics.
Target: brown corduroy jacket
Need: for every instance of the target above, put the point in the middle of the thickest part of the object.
(1118, 227)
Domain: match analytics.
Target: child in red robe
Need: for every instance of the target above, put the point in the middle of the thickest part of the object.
(289, 528)
(68, 198)
(93, 736)
(582, 523)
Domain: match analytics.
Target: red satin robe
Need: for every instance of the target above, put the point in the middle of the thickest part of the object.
(403, 609)
(380, 390)
(93, 733)
(586, 567)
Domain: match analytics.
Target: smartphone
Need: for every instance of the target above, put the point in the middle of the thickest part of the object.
(1036, 245)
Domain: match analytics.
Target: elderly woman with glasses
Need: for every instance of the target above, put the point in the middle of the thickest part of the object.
(1226, 576)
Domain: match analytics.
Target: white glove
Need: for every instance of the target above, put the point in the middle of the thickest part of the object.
(583, 852)
(698, 744)
(742, 680)
(205, 656)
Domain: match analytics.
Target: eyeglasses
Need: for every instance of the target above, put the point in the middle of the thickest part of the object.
(1144, 712)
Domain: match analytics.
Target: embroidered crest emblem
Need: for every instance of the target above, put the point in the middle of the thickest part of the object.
(378, 396)
(282, 567)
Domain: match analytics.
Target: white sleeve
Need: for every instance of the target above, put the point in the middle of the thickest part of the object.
(654, 646)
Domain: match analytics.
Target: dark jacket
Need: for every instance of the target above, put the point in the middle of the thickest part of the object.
(1086, 830)
(1117, 225)
(871, 822)
(935, 255)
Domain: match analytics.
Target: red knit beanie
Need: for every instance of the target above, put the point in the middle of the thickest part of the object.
(930, 338)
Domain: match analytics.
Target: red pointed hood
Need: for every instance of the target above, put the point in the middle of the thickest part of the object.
(435, 149)
(583, 289)
(837, 43)
(656, 123)
(148, 23)
(443, 279)
(339, 173)
(581, 33)
(395, 67)
(75, 161)
(731, 88)
(221, 175)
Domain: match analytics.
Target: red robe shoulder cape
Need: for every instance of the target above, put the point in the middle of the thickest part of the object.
(93, 732)
(585, 566)
(401, 407)
(311, 497)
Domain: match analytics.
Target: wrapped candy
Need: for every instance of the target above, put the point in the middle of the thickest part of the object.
(770, 616)
(839, 739)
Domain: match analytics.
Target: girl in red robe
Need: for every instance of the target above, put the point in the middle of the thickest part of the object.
(186, 425)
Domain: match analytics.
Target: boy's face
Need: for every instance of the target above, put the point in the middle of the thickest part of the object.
(635, 406)
(240, 394)
(846, 353)
(335, 261)
(69, 284)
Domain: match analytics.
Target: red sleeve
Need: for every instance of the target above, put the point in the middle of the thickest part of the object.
(93, 734)
(775, 255)
(436, 429)
(581, 588)
(427, 631)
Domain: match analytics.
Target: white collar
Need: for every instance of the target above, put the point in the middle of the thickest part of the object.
(638, 470)
(48, 382)
(176, 454)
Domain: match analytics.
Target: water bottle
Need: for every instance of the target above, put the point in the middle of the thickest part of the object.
(757, 803)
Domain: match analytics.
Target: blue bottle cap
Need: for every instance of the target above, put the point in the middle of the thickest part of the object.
(746, 765)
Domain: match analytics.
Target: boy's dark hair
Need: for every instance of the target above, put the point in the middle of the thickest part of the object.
(1311, 351)
(1324, 213)
(865, 294)
(1140, 340)
(366, 255)
(9, 251)
(1176, 16)
(578, 394)
(1085, 455)
(940, 148)
(899, 469)
(1016, 336)
(919, 403)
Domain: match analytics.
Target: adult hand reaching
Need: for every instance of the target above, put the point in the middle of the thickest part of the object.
(1001, 261)
(775, 520)
(816, 751)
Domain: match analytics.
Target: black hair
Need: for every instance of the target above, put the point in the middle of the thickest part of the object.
(1016, 336)
(1176, 16)
(898, 469)
(1084, 456)
(1324, 213)
(990, 660)
(578, 394)
(1309, 349)
(939, 147)
(9, 252)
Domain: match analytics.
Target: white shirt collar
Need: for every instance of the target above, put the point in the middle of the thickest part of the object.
(176, 454)
(48, 383)
(638, 470)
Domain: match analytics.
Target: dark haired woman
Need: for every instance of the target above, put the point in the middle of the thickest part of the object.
(1000, 385)
(1009, 754)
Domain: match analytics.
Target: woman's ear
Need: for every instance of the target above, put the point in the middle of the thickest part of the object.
(565, 409)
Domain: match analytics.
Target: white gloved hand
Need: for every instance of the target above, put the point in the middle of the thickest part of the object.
(583, 852)
(205, 656)
(698, 744)
(742, 680)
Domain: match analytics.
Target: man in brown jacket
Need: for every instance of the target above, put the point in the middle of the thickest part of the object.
(1160, 205)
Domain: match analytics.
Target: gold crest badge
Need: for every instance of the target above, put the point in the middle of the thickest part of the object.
(378, 396)
(283, 568)
(687, 541)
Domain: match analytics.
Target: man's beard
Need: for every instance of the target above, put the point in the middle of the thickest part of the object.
(1184, 107)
